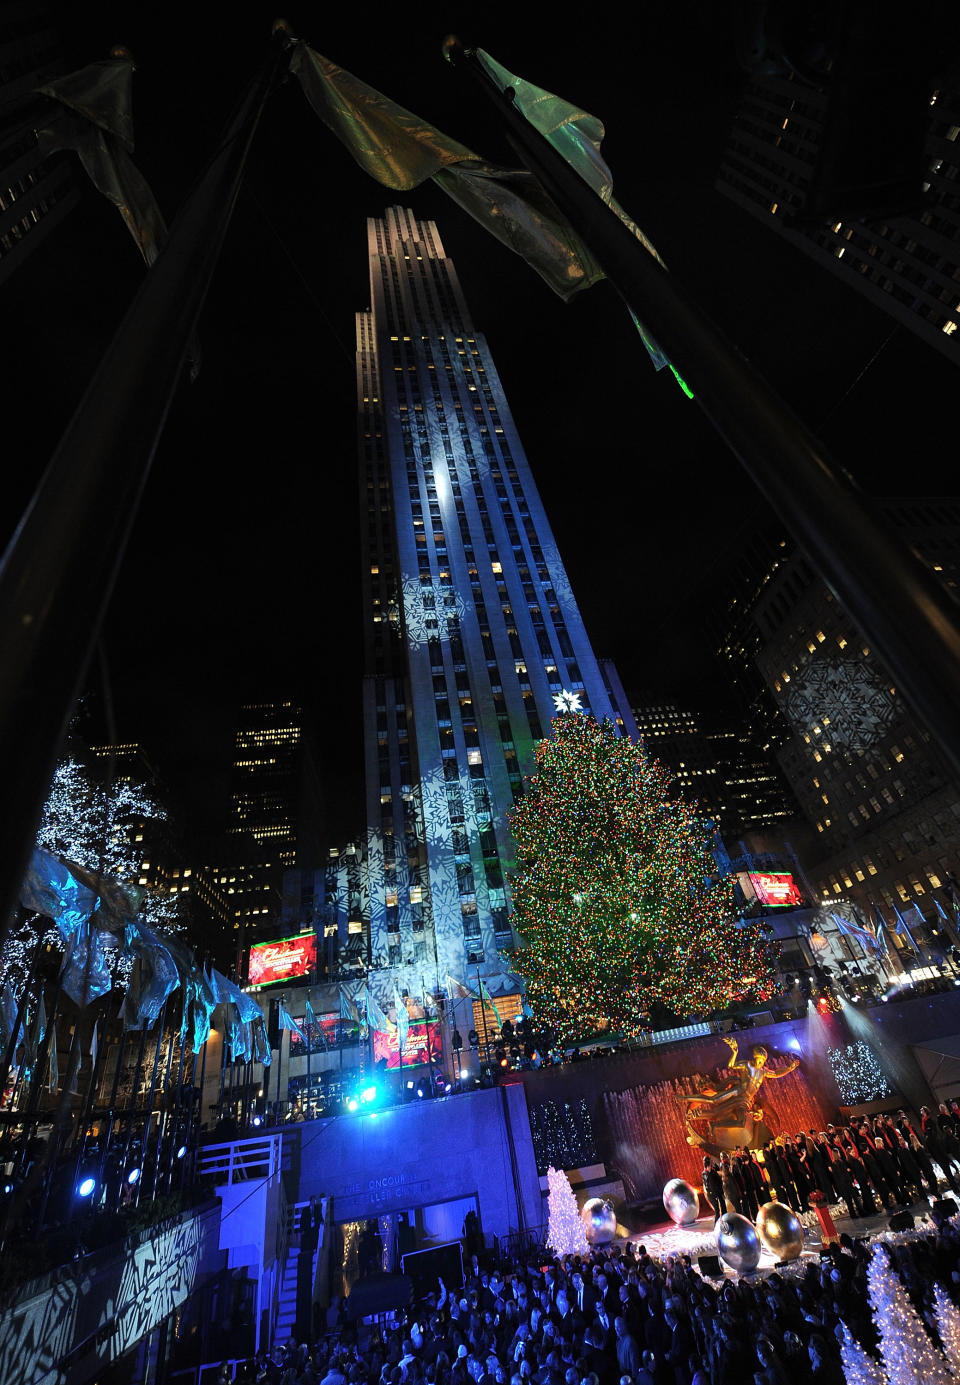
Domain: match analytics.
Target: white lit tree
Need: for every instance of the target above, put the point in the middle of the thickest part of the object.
(565, 1233)
(859, 1368)
(909, 1356)
(94, 826)
(948, 1327)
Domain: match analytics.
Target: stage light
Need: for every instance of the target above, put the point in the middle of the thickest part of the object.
(368, 1094)
(257, 1120)
(181, 1152)
(352, 1103)
(419, 1091)
(133, 1176)
(8, 1187)
(86, 1186)
(409, 1086)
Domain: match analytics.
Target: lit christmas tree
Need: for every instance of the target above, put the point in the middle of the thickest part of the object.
(565, 1233)
(909, 1356)
(948, 1328)
(859, 1368)
(617, 901)
(94, 827)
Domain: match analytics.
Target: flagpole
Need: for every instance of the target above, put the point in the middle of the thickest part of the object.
(903, 613)
(306, 1028)
(60, 567)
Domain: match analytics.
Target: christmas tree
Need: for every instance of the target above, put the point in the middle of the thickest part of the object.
(565, 1233)
(859, 1368)
(617, 900)
(909, 1356)
(948, 1327)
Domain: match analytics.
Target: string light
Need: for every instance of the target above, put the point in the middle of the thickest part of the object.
(618, 902)
(565, 1233)
(562, 1135)
(858, 1074)
(908, 1353)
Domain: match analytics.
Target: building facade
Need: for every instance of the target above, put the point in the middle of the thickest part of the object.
(905, 257)
(472, 632)
(883, 807)
(35, 192)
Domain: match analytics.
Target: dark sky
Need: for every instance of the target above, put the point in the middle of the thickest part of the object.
(241, 576)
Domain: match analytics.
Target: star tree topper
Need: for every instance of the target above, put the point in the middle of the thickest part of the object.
(567, 701)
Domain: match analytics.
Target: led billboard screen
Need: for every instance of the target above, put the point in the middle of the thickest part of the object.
(423, 1038)
(777, 890)
(282, 960)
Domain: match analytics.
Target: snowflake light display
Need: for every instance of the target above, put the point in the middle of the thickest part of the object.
(840, 701)
(858, 1074)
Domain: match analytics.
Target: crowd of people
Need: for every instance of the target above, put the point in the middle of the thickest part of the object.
(866, 1165)
(616, 1316)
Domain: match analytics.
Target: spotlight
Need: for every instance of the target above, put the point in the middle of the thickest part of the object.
(352, 1103)
(409, 1086)
(368, 1094)
(257, 1121)
(133, 1177)
(86, 1186)
(8, 1187)
(182, 1152)
(419, 1091)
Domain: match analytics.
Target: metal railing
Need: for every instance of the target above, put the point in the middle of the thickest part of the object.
(240, 1160)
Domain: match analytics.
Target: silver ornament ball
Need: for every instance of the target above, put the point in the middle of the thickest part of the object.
(780, 1230)
(738, 1242)
(599, 1221)
(681, 1202)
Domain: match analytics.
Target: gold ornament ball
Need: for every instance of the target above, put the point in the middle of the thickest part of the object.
(681, 1202)
(737, 1242)
(780, 1231)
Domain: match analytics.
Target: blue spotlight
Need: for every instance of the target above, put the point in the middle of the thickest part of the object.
(368, 1094)
(257, 1120)
(352, 1103)
(86, 1186)
(133, 1177)
(182, 1152)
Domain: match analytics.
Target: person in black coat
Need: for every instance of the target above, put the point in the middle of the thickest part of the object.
(713, 1188)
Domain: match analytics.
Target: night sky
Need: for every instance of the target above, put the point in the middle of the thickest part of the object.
(242, 575)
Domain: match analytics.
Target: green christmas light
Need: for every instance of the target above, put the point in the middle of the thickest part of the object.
(616, 900)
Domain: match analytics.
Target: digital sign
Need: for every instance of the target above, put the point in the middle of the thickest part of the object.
(423, 1038)
(282, 960)
(775, 891)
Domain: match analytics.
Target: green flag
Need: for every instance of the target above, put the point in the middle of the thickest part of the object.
(401, 151)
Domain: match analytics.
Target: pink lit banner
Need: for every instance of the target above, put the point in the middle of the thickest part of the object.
(423, 1038)
(282, 960)
(776, 891)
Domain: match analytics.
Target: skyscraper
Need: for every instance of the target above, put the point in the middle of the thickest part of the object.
(473, 637)
(906, 258)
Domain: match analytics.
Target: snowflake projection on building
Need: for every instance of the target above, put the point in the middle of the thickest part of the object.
(561, 584)
(434, 807)
(841, 702)
(858, 1074)
(426, 611)
(567, 701)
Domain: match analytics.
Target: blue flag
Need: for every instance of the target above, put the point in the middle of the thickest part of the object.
(403, 1018)
(859, 931)
(287, 1021)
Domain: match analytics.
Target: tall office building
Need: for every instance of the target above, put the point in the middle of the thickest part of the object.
(472, 634)
(35, 192)
(783, 165)
(883, 806)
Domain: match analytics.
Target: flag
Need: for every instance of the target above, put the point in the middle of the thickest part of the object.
(401, 151)
(375, 1016)
(95, 119)
(154, 976)
(286, 1021)
(488, 999)
(349, 1011)
(857, 930)
(458, 991)
(403, 1018)
(903, 929)
(53, 1070)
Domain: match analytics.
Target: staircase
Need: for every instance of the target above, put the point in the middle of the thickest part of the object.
(287, 1295)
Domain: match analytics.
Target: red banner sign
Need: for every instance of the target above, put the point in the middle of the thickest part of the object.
(776, 891)
(423, 1038)
(282, 960)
